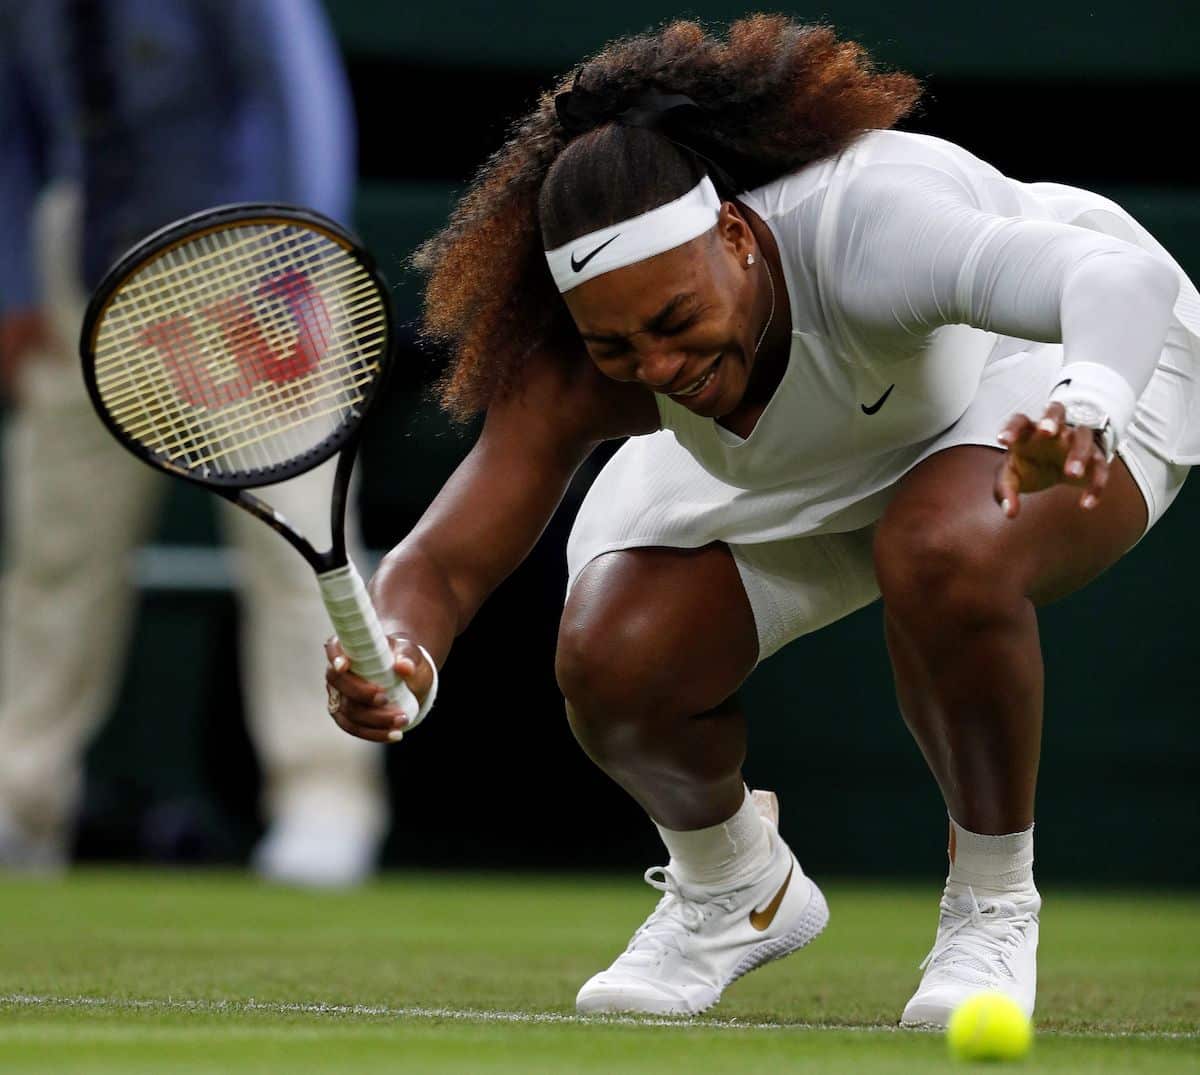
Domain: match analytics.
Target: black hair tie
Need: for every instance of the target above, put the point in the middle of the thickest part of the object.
(580, 110)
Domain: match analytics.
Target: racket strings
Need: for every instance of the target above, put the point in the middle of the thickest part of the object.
(248, 425)
(199, 448)
(132, 387)
(169, 301)
(125, 383)
(242, 348)
(209, 262)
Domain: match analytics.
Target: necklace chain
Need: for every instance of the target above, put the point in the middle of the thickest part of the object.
(770, 316)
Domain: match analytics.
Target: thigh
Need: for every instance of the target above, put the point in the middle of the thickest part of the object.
(668, 620)
(718, 610)
(1052, 548)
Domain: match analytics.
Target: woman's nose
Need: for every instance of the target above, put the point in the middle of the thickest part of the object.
(657, 369)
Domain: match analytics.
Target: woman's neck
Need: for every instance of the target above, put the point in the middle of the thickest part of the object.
(775, 313)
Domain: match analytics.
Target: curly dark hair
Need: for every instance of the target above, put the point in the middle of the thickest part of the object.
(772, 95)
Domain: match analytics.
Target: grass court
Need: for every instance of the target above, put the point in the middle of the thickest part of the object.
(150, 971)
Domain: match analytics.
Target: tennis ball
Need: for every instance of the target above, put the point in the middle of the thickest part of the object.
(989, 1026)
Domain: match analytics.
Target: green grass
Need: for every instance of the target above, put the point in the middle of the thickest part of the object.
(150, 972)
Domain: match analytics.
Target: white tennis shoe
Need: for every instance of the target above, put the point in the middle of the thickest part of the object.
(981, 946)
(698, 941)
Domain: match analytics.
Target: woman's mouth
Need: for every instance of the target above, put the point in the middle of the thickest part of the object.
(699, 384)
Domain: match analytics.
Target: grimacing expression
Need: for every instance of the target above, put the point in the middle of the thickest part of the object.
(680, 322)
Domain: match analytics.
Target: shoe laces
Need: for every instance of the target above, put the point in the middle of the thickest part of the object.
(979, 935)
(681, 911)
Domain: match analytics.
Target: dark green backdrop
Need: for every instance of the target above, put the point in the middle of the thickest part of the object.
(1094, 93)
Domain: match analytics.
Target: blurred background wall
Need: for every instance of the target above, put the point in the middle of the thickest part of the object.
(1099, 94)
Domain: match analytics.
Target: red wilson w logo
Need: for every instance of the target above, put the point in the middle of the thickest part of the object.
(175, 341)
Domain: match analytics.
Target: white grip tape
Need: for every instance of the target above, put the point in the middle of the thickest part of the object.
(361, 634)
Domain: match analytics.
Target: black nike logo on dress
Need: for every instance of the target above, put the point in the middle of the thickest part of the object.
(878, 403)
(578, 265)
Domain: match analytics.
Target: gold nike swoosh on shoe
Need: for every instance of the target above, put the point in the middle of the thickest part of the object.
(760, 920)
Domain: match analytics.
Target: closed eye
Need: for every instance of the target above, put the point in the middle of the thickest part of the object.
(616, 346)
(675, 330)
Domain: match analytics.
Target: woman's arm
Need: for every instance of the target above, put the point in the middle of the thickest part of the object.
(485, 521)
(914, 254)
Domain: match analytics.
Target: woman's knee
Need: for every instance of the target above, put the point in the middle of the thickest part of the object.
(934, 568)
(654, 636)
(605, 663)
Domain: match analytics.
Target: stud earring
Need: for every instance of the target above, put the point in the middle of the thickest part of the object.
(749, 259)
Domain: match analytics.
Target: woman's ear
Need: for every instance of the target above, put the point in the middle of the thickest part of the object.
(733, 231)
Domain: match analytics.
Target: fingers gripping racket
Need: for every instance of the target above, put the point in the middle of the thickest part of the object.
(240, 347)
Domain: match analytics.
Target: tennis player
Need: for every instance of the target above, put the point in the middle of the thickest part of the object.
(851, 362)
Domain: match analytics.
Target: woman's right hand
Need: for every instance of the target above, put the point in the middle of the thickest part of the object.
(362, 708)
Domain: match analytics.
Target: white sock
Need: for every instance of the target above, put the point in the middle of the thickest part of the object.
(721, 855)
(997, 866)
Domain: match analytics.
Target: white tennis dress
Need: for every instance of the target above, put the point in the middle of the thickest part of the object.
(931, 299)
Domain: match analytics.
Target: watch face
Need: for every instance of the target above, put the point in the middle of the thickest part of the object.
(1084, 414)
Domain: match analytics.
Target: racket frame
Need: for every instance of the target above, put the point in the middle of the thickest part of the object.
(342, 588)
(344, 439)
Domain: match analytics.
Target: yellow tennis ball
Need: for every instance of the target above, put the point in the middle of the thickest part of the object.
(989, 1026)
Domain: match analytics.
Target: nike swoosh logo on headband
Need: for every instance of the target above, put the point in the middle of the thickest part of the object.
(578, 265)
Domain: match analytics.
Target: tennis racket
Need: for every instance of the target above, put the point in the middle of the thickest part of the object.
(243, 346)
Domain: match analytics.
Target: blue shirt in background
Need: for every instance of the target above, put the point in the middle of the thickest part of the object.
(160, 108)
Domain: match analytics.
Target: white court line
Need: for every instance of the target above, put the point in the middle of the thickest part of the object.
(476, 1015)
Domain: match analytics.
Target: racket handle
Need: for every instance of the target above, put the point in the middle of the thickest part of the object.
(361, 634)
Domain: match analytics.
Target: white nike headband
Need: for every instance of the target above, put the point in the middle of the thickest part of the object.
(636, 239)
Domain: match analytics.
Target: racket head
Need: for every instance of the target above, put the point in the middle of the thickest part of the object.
(240, 346)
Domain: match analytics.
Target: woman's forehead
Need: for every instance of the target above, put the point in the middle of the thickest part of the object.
(627, 299)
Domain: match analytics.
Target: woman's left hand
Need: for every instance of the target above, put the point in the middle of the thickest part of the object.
(1046, 453)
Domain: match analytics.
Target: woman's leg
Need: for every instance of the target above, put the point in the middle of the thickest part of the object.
(960, 585)
(653, 645)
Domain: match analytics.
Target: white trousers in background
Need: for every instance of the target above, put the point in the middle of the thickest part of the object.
(76, 506)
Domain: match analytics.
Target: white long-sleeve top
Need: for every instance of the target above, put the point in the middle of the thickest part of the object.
(928, 293)
(909, 265)
(914, 251)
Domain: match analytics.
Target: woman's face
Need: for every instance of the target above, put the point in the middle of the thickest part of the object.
(681, 323)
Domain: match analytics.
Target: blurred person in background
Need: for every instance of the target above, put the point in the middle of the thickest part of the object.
(117, 117)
